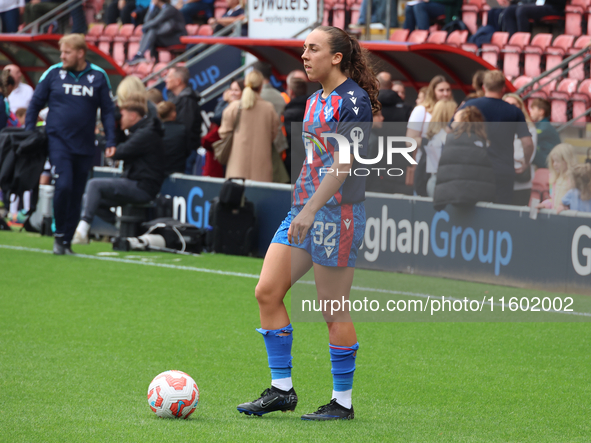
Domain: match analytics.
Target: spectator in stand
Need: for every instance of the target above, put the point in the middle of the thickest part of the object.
(154, 96)
(10, 15)
(523, 182)
(142, 154)
(398, 88)
(378, 13)
(188, 110)
(38, 8)
(164, 26)
(294, 113)
(252, 144)
(421, 96)
(270, 94)
(443, 112)
(133, 85)
(504, 121)
(7, 85)
(548, 137)
(234, 13)
(21, 95)
(418, 123)
(191, 9)
(175, 143)
(21, 114)
(516, 17)
(579, 197)
(477, 84)
(213, 168)
(419, 15)
(142, 7)
(297, 73)
(465, 175)
(561, 162)
(393, 108)
(120, 9)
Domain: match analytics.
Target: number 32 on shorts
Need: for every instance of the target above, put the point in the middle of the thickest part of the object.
(324, 235)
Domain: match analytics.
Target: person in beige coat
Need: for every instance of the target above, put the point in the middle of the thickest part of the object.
(251, 155)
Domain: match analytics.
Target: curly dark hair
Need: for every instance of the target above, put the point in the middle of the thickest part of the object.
(355, 62)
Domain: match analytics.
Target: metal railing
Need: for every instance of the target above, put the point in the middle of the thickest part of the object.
(55, 14)
(560, 71)
(197, 52)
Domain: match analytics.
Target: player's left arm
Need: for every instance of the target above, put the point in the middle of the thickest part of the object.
(108, 114)
(338, 171)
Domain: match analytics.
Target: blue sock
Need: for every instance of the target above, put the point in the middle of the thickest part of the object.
(342, 359)
(279, 355)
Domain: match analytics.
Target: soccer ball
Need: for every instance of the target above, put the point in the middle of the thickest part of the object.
(173, 394)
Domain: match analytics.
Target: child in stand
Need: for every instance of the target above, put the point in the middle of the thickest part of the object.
(578, 198)
(560, 161)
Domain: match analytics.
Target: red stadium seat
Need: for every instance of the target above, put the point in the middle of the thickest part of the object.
(355, 12)
(560, 99)
(470, 47)
(533, 54)
(573, 17)
(513, 52)
(555, 53)
(219, 9)
(471, 10)
(137, 34)
(457, 38)
(490, 51)
(106, 38)
(124, 33)
(192, 29)
(418, 36)
(164, 56)
(437, 37)
(338, 15)
(520, 82)
(205, 30)
(577, 65)
(144, 69)
(94, 32)
(400, 35)
(581, 101)
(120, 42)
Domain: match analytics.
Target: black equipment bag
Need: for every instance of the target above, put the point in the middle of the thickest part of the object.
(233, 228)
(177, 235)
(232, 193)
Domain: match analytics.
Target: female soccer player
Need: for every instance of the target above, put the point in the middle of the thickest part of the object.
(326, 224)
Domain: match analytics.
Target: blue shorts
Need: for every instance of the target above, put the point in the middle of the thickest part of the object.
(335, 237)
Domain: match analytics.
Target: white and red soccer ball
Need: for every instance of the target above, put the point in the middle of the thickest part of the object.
(173, 394)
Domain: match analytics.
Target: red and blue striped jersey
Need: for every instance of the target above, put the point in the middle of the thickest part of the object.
(346, 111)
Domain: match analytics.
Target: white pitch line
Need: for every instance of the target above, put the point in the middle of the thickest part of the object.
(256, 276)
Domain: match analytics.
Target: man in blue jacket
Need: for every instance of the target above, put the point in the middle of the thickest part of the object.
(73, 90)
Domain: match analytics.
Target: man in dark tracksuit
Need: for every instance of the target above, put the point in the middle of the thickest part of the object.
(73, 90)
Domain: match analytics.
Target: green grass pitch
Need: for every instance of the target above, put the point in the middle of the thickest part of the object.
(81, 339)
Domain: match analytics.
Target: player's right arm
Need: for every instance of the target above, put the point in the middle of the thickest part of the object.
(38, 101)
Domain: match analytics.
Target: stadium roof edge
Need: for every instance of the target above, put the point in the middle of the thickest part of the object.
(34, 54)
(415, 64)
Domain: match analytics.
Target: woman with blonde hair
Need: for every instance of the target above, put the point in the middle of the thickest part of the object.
(561, 162)
(523, 182)
(131, 86)
(257, 124)
(438, 89)
(443, 111)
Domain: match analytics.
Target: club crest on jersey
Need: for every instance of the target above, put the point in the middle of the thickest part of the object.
(328, 112)
(63, 74)
(312, 142)
(90, 78)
